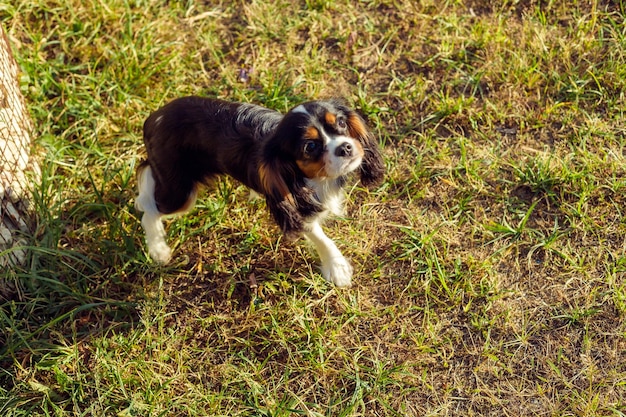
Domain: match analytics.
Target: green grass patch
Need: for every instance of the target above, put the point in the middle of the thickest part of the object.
(489, 265)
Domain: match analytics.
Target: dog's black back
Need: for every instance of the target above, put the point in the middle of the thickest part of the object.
(192, 139)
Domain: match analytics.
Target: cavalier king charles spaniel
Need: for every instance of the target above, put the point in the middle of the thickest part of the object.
(298, 161)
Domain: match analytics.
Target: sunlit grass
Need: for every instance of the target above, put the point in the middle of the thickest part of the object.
(490, 263)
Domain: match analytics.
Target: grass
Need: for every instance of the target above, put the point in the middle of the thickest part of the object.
(490, 264)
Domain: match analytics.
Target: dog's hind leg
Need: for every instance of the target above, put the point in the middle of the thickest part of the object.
(151, 221)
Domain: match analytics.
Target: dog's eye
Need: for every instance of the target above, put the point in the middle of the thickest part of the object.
(341, 123)
(311, 147)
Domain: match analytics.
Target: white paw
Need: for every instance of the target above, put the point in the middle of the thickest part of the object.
(160, 252)
(339, 272)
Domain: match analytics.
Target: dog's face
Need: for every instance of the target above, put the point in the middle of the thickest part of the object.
(316, 140)
(326, 139)
(322, 139)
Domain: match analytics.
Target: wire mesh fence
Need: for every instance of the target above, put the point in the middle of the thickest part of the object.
(16, 166)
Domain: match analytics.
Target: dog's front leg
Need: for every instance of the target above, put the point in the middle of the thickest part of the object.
(335, 267)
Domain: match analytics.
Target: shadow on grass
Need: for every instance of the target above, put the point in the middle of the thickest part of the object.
(86, 275)
(83, 277)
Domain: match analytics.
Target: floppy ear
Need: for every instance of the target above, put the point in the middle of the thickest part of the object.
(372, 168)
(288, 198)
(280, 200)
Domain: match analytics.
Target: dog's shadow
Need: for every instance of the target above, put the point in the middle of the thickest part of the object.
(226, 269)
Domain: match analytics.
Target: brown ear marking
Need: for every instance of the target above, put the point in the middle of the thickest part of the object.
(373, 167)
(273, 184)
(356, 127)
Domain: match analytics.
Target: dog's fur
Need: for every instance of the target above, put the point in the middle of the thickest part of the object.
(297, 161)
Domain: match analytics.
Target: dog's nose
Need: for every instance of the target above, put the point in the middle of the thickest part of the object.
(344, 150)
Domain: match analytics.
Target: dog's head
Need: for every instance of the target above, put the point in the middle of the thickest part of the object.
(317, 140)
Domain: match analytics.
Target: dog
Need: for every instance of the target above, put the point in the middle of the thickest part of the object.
(298, 161)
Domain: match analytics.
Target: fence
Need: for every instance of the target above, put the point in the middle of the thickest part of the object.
(16, 166)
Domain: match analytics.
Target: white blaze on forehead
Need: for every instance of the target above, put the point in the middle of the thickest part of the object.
(325, 137)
